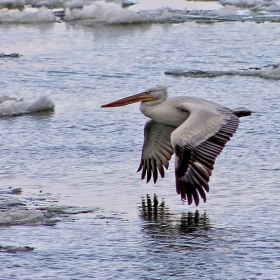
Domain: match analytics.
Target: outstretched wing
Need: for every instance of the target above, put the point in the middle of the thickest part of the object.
(157, 150)
(197, 143)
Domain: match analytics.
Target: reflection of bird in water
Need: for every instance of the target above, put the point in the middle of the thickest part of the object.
(196, 130)
(150, 208)
(159, 220)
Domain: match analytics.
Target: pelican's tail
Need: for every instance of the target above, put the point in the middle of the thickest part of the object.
(242, 112)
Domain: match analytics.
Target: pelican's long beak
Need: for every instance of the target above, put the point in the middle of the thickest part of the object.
(144, 96)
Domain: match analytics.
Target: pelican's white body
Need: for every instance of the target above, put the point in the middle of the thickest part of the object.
(196, 130)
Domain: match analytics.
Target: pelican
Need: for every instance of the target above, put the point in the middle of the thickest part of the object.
(196, 130)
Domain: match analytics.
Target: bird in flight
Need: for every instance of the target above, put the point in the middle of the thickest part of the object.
(194, 129)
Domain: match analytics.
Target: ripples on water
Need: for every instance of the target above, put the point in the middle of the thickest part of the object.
(70, 197)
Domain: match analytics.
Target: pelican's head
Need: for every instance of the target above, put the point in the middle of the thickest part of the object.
(157, 94)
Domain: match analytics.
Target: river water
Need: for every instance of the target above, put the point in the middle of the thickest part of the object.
(71, 200)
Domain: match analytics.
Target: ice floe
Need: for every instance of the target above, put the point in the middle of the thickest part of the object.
(30, 15)
(37, 209)
(11, 55)
(92, 12)
(102, 12)
(271, 71)
(17, 217)
(15, 248)
(12, 106)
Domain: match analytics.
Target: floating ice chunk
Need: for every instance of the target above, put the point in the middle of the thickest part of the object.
(75, 4)
(11, 55)
(227, 11)
(273, 7)
(200, 73)
(241, 3)
(15, 191)
(71, 210)
(112, 13)
(15, 249)
(42, 15)
(15, 217)
(271, 71)
(10, 106)
(231, 11)
(266, 7)
(27, 16)
(102, 12)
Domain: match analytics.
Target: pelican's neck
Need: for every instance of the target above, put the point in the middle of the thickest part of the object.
(164, 111)
(147, 107)
(150, 108)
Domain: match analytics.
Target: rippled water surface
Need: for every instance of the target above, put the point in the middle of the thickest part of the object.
(75, 167)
